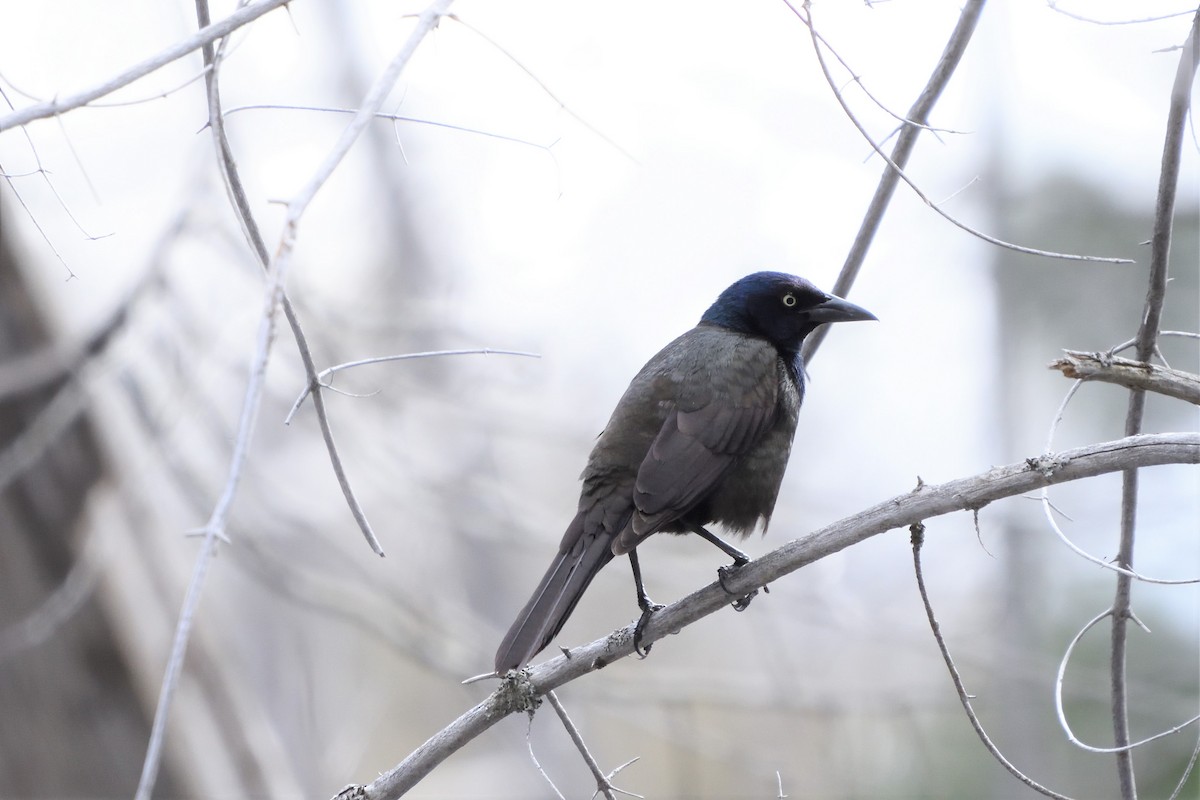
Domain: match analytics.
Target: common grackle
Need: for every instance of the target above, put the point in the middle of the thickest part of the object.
(701, 435)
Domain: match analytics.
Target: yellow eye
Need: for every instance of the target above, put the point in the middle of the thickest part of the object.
(789, 299)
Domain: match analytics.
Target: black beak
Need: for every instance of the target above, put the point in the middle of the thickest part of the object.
(835, 309)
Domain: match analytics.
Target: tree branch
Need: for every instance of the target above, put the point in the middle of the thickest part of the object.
(202, 37)
(276, 274)
(917, 532)
(918, 115)
(519, 691)
(1147, 341)
(1131, 374)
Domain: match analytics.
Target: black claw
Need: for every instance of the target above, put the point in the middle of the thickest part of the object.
(743, 602)
(647, 612)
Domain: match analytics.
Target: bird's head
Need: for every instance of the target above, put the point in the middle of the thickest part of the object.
(779, 307)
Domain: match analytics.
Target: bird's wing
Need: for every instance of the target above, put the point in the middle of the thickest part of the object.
(724, 409)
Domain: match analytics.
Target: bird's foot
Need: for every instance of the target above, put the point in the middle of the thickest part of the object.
(742, 602)
(647, 612)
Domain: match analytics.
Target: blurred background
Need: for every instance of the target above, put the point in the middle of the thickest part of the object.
(609, 171)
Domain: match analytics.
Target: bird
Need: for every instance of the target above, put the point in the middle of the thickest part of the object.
(702, 435)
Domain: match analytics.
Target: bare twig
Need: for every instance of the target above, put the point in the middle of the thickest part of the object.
(276, 275)
(202, 37)
(537, 764)
(950, 57)
(325, 373)
(383, 115)
(603, 785)
(854, 76)
(159, 95)
(369, 108)
(41, 171)
(41, 231)
(1147, 338)
(1048, 508)
(426, 21)
(924, 503)
(905, 141)
(1062, 714)
(1136, 21)
(917, 531)
(596, 131)
(214, 529)
(1131, 342)
(1130, 374)
(1187, 771)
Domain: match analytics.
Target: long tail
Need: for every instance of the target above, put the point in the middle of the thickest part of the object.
(579, 558)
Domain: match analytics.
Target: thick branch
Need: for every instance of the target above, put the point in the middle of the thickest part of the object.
(519, 690)
(1129, 373)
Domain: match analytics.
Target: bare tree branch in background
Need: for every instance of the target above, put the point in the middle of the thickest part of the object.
(276, 269)
(917, 532)
(205, 36)
(915, 121)
(901, 151)
(370, 107)
(214, 530)
(1147, 337)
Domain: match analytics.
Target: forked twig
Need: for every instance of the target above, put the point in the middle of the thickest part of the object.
(603, 783)
(905, 142)
(950, 57)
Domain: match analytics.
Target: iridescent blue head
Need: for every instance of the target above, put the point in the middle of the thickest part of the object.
(781, 308)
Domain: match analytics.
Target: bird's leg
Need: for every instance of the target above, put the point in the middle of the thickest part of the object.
(644, 603)
(739, 559)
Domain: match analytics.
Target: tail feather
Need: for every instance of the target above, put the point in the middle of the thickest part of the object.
(554, 599)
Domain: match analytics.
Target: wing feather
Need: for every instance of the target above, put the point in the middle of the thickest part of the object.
(702, 438)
